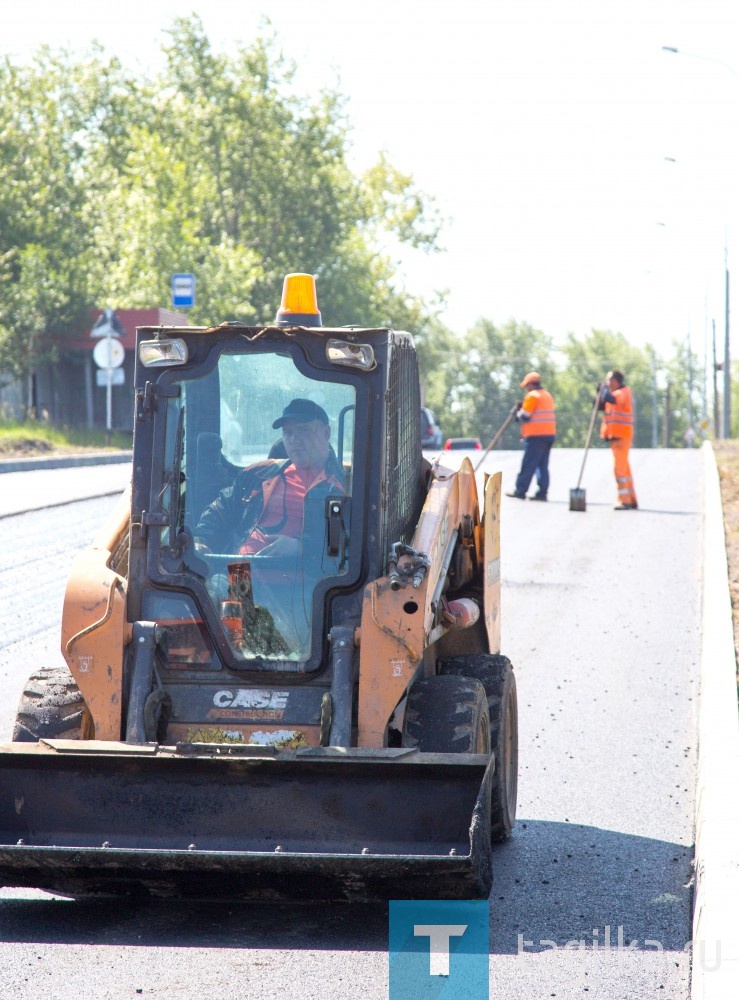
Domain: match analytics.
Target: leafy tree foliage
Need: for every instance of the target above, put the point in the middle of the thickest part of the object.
(484, 376)
(586, 363)
(46, 112)
(109, 184)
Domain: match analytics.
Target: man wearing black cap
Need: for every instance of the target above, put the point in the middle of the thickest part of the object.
(263, 510)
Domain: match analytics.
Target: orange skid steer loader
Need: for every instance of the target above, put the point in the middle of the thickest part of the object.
(269, 697)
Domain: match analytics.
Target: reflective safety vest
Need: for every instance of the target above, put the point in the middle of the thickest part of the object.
(618, 418)
(540, 405)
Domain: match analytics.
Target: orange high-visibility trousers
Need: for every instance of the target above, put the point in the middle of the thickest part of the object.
(624, 480)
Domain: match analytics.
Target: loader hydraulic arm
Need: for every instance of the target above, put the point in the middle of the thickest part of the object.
(400, 622)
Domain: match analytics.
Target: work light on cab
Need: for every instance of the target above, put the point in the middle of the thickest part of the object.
(299, 305)
(342, 352)
(163, 352)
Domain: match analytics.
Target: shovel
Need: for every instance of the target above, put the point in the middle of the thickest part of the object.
(498, 435)
(577, 496)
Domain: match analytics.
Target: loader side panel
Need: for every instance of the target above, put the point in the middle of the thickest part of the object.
(95, 631)
(491, 559)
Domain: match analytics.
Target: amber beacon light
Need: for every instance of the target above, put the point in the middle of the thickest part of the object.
(299, 306)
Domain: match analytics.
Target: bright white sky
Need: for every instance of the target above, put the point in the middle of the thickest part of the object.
(541, 127)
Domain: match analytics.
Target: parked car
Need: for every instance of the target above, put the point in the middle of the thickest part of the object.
(470, 444)
(430, 430)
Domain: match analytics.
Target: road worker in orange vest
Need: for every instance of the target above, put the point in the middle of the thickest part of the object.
(618, 429)
(538, 430)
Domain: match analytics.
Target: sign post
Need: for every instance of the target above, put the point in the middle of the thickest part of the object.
(108, 355)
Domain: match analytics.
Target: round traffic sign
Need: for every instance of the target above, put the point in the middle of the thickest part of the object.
(108, 353)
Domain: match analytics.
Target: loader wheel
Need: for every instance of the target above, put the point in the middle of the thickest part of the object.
(496, 675)
(447, 715)
(52, 707)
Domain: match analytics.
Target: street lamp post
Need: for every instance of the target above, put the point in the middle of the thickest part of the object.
(727, 355)
(726, 425)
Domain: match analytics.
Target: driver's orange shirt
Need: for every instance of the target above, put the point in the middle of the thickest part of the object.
(283, 508)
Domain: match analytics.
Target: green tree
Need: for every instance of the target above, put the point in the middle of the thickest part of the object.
(435, 343)
(267, 179)
(473, 381)
(47, 110)
(585, 362)
(681, 399)
(110, 183)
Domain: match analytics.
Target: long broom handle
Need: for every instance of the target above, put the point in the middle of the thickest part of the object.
(589, 437)
(498, 435)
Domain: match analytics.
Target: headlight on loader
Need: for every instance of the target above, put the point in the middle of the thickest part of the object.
(341, 352)
(162, 353)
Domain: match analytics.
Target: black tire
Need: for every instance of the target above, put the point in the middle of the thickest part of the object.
(447, 715)
(52, 707)
(496, 675)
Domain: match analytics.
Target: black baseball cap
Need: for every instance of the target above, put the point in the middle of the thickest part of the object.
(302, 411)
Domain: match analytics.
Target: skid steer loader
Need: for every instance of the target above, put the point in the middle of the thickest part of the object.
(329, 720)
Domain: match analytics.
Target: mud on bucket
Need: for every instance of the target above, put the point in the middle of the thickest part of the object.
(577, 499)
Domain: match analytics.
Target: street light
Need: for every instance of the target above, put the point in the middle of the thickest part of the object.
(694, 55)
(727, 347)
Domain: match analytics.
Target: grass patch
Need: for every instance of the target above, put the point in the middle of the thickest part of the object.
(32, 437)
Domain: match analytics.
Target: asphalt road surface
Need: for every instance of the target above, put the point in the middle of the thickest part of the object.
(592, 897)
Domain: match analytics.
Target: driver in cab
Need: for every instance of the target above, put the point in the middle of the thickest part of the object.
(263, 511)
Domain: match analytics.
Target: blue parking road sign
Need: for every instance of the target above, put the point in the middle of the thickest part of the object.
(183, 290)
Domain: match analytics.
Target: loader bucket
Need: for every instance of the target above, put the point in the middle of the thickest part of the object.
(244, 822)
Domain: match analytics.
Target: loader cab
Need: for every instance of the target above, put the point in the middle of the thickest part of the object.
(219, 473)
(207, 454)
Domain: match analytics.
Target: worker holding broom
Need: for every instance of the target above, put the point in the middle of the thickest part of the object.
(538, 430)
(618, 429)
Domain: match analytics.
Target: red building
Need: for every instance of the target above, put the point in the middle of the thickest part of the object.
(69, 391)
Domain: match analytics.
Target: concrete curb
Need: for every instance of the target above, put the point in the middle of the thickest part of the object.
(64, 461)
(715, 972)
